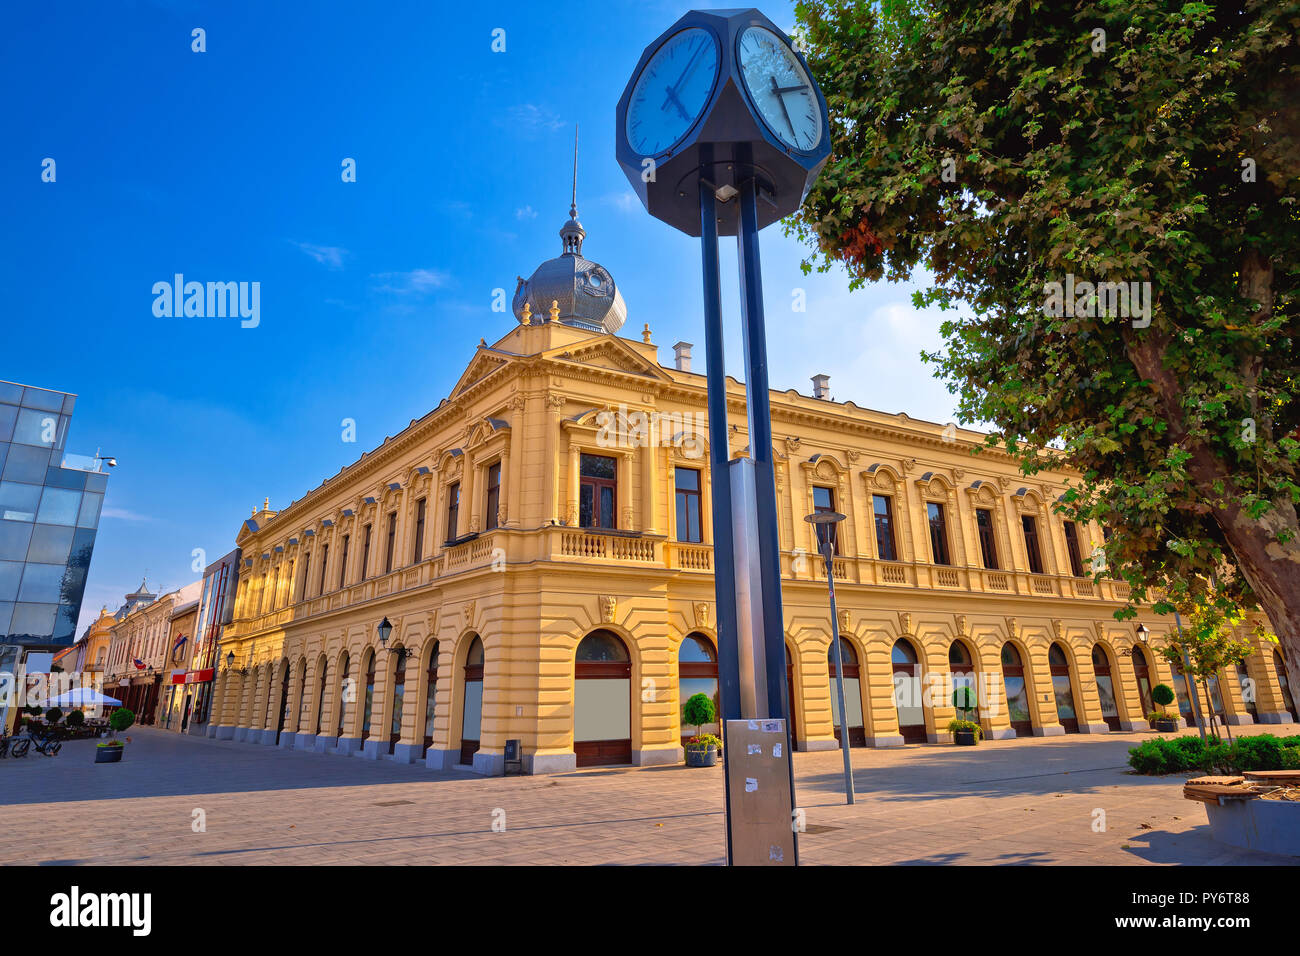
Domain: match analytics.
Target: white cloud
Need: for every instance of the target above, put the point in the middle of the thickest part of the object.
(625, 201)
(122, 514)
(331, 256)
(530, 119)
(415, 282)
(526, 212)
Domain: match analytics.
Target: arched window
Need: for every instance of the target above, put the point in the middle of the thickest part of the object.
(1284, 684)
(345, 691)
(1247, 685)
(399, 698)
(852, 693)
(697, 673)
(602, 715)
(907, 692)
(284, 701)
(431, 698)
(962, 665)
(321, 683)
(1013, 680)
(471, 722)
(1105, 687)
(1059, 664)
(1142, 671)
(369, 705)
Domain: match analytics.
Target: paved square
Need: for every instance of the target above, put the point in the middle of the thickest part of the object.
(1022, 801)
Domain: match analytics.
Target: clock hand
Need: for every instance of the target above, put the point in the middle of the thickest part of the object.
(780, 99)
(789, 89)
(677, 103)
(672, 90)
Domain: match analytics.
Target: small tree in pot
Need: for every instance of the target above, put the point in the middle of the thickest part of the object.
(702, 749)
(1163, 696)
(965, 732)
(110, 751)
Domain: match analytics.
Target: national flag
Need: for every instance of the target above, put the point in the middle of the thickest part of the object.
(139, 664)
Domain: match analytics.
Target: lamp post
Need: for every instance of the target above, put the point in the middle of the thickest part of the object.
(230, 660)
(825, 522)
(385, 629)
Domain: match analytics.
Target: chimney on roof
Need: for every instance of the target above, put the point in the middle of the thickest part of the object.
(822, 387)
(682, 356)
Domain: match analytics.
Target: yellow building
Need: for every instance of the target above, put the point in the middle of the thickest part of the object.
(89, 655)
(540, 544)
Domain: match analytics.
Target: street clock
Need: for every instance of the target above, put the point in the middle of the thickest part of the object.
(721, 97)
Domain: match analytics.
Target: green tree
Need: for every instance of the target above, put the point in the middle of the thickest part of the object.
(1211, 645)
(1010, 148)
(699, 710)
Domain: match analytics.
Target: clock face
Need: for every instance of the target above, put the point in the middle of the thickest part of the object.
(672, 91)
(781, 88)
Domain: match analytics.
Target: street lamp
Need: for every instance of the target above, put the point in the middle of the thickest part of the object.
(230, 660)
(384, 630)
(1143, 633)
(825, 522)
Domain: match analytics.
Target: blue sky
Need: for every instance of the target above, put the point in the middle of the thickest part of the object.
(225, 166)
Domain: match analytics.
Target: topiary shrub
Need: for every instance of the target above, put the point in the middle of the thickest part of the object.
(1163, 695)
(54, 715)
(75, 719)
(121, 719)
(698, 711)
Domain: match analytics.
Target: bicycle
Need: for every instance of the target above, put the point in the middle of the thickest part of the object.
(49, 746)
(15, 747)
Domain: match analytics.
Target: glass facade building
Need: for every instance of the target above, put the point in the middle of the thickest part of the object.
(49, 513)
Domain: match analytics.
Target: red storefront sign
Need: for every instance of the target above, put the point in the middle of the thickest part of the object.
(199, 677)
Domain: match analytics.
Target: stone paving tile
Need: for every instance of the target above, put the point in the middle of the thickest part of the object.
(1009, 802)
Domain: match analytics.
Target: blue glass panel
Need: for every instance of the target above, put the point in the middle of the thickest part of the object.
(59, 506)
(42, 583)
(11, 572)
(65, 624)
(74, 578)
(9, 392)
(33, 621)
(43, 398)
(14, 536)
(88, 517)
(4, 455)
(8, 415)
(36, 427)
(96, 482)
(6, 612)
(27, 463)
(19, 501)
(56, 477)
(69, 403)
(50, 544)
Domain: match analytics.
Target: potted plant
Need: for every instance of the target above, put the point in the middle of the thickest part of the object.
(702, 749)
(965, 733)
(110, 751)
(964, 730)
(76, 720)
(1163, 695)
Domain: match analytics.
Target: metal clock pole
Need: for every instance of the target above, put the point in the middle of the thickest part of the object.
(760, 447)
(724, 560)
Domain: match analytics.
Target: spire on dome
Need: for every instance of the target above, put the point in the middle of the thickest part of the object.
(572, 234)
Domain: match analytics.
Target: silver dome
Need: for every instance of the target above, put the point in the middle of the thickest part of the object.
(584, 291)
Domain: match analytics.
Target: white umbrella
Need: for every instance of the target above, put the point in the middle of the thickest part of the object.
(82, 697)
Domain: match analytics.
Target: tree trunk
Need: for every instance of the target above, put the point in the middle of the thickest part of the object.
(1271, 567)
